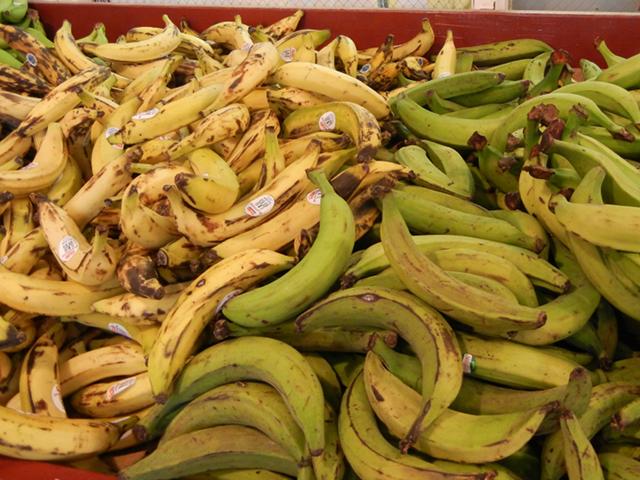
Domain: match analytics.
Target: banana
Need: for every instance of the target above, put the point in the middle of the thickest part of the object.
(451, 131)
(285, 100)
(115, 398)
(622, 73)
(605, 400)
(219, 125)
(90, 264)
(564, 103)
(127, 327)
(591, 258)
(607, 96)
(505, 51)
(626, 416)
(15, 107)
(51, 297)
(245, 214)
(425, 216)
(179, 332)
(505, 362)
(10, 335)
(42, 59)
(146, 50)
(580, 458)
(483, 398)
(330, 83)
(304, 214)
(261, 59)
(166, 118)
(322, 339)
(369, 453)
(227, 446)
(452, 86)
(569, 312)
(233, 35)
(39, 379)
(253, 358)
(251, 404)
(137, 272)
(18, 221)
(602, 225)
(453, 165)
(22, 82)
(59, 101)
(453, 435)
(180, 253)
(484, 312)
(272, 304)
(105, 183)
(621, 182)
(283, 26)
(35, 437)
(541, 272)
(140, 224)
(109, 361)
(422, 327)
(417, 46)
(343, 116)
(619, 466)
(141, 310)
(445, 63)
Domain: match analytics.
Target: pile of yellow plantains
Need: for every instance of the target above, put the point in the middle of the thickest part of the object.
(262, 253)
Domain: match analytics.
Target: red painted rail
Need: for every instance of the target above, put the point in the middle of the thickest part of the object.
(572, 32)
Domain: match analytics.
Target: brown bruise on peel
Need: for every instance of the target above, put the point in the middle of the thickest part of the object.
(15, 80)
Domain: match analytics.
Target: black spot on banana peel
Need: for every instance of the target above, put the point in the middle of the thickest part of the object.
(477, 142)
(513, 201)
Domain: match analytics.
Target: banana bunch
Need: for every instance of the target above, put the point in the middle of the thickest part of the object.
(262, 251)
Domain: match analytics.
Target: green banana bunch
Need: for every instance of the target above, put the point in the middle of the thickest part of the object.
(310, 279)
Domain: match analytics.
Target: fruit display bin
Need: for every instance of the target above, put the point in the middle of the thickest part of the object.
(574, 33)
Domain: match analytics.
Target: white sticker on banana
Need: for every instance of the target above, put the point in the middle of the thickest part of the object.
(117, 388)
(327, 121)
(314, 197)
(118, 329)
(67, 248)
(260, 206)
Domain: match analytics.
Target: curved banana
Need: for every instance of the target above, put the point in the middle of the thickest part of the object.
(185, 322)
(227, 446)
(245, 214)
(249, 358)
(425, 216)
(261, 59)
(304, 214)
(39, 379)
(51, 297)
(128, 327)
(283, 26)
(15, 107)
(152, 48)
(541, 272)
(484, 312)
(251, 144)
(51, 438)
(605, 400)
(87, 263)
(445, 62)
(580, 457)
(110, 361)
(219, 125)
(333, 84)
(369, 453)
(453, 435)
(251, 404)
(343, 116)
(425, 330)
(115, 398)
(42, 59)
(141, 310)
(233, 35)
(312, 277)
(417, 46)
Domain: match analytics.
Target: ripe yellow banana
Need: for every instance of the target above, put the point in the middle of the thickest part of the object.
(333, 84)
(185, 322)
(152, 48)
